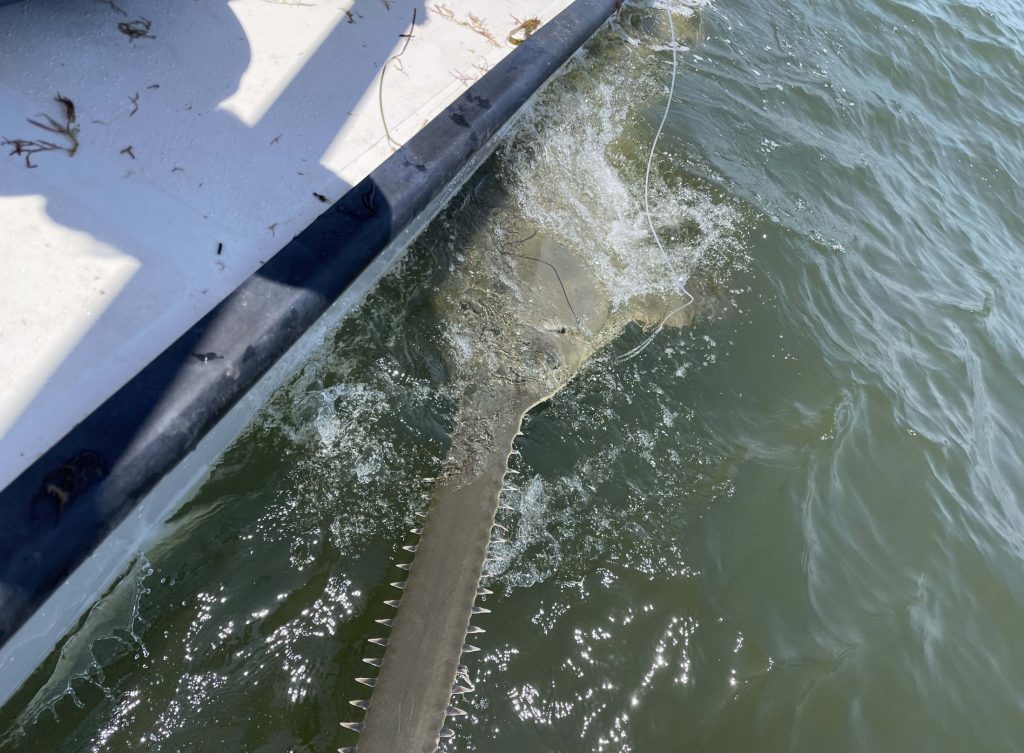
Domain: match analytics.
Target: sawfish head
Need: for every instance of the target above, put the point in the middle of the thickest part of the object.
(527, 314)
(524, 316)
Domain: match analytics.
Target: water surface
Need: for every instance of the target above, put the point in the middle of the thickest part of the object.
(793, 526)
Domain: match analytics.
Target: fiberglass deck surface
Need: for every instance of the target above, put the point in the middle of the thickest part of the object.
(208, 135)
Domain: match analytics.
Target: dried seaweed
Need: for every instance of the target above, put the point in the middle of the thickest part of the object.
(479, 26)
(137, 29)
(443, 11)
(462, 78)
(472, 22)
(68, 107)
(68, 129)
(522, 31)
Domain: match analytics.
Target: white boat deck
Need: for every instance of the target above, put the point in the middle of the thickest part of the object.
(209, 133)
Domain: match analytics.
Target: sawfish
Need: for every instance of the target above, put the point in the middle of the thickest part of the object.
(524, 315)
(533, 326)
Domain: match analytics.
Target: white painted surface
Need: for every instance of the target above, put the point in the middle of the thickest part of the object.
(246, 108)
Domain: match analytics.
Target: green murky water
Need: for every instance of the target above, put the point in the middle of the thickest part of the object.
(794, 526)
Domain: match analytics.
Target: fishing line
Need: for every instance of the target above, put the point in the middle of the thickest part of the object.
(679, 287)
(565, 293)
(397, 60)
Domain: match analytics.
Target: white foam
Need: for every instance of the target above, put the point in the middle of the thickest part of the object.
(574, 166)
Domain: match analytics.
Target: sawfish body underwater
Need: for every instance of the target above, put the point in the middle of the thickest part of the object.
(532, 331)
(526, 306)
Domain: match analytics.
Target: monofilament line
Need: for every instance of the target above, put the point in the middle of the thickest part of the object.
(397, 60)
(680, 287)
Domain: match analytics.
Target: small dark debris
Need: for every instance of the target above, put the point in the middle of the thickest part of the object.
(220, 247)
(68, 129)
(276, 139)
(417, 165)
(177, 169)
(135, 104)
(128, 150)
(321, 197)
(368, 200)
(459, 119)
(72, 478)
(351, 15)
(137, 29)
(272, 229)
(409, 34)
(69, 107)
(207, 357)
(153, 86)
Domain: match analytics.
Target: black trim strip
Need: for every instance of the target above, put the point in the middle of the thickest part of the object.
(63, 506)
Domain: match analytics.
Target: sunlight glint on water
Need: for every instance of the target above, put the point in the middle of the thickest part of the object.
(793, 526)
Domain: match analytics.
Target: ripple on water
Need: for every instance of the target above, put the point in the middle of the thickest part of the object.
(795, 526)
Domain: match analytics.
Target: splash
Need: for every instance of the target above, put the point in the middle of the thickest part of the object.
(114, 617)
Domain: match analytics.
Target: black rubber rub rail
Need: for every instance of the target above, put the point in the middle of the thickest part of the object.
(61, 508)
